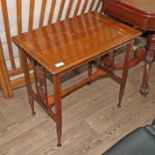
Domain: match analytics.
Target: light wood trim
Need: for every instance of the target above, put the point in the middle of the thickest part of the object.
(15, 72)
(19, 16)
(84, 6)
(19, 21)
(98, 5)
(77, 7)
(31, 17)
(91, 5)
(20, 82)
(7, 30)
(32, 3)
(51, 11)
(18, 71)
(42, 14)
(4, 78)
(69, 9)
(61, 10)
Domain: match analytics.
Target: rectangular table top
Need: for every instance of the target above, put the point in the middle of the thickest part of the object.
(75, 41)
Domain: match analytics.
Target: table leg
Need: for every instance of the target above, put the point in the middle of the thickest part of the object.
(27, 79)
(58, 107)
(150, 50)
(126, 67)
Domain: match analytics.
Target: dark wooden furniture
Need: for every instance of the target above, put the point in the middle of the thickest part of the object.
(64, 46)
(140, 13)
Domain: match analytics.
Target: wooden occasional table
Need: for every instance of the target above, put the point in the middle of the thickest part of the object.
(140, 13)
(64, 46)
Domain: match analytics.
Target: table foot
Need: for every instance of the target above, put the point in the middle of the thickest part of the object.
(59, 145)
(150, 50)
(31, 101)
(33, 114)
(118, 106)
(144, 90)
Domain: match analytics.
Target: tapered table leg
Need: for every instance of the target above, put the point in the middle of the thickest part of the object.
(58, 107)
(150, 50)
(27, 79)
(128, 54)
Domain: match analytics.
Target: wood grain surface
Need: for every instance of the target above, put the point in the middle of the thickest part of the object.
(91, 121)
(74, 41)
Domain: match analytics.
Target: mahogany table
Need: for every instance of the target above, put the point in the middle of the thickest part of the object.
(64, 46)
(140, 13)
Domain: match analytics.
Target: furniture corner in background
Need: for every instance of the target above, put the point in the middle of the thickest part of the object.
(141, 141)
(140, 14)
